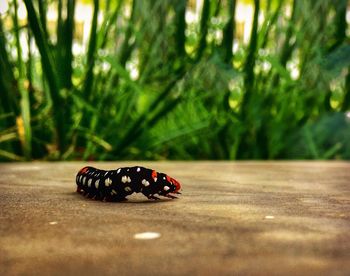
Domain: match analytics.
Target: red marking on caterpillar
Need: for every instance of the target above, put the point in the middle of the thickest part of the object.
(84, 170)
(116, 185)
(173, 181)
(154, 176)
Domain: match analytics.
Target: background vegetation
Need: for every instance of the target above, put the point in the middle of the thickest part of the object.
(152, 85)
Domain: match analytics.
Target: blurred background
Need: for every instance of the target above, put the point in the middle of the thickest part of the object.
(174, 79)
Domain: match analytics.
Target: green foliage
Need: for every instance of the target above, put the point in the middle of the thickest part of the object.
(152, 85)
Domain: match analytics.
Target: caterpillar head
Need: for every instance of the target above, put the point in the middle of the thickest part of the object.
(167, 184)
(174, 184)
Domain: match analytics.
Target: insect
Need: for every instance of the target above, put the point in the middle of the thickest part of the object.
(116, 185)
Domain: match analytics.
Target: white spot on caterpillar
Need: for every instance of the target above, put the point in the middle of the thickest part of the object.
(166, 188)
(127, 189)
(89, 182)
(83, 180)
(164, 177)
(118, 171)
(113, 192)
(155, 179)
(147, 236)
(126, 179)
(145, 183)
(127, 170)
(97, 183)
(138, 169)
(108, 182)
(106, 173)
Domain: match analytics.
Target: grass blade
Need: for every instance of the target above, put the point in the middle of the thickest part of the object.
(48, 69)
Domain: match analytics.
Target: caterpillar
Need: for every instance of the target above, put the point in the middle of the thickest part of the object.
(116, 185)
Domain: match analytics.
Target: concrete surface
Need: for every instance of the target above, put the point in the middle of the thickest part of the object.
(247, 218)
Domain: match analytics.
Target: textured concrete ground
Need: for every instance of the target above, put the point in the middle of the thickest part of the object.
(248, 218)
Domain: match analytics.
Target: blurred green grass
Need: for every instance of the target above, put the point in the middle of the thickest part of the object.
(151, 84)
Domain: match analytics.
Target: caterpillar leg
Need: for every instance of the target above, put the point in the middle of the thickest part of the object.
(153, 197)
(121, 199)
(170, 196)
(114, 199)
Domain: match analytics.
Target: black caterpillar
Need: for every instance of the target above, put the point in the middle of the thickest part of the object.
(116, 185)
